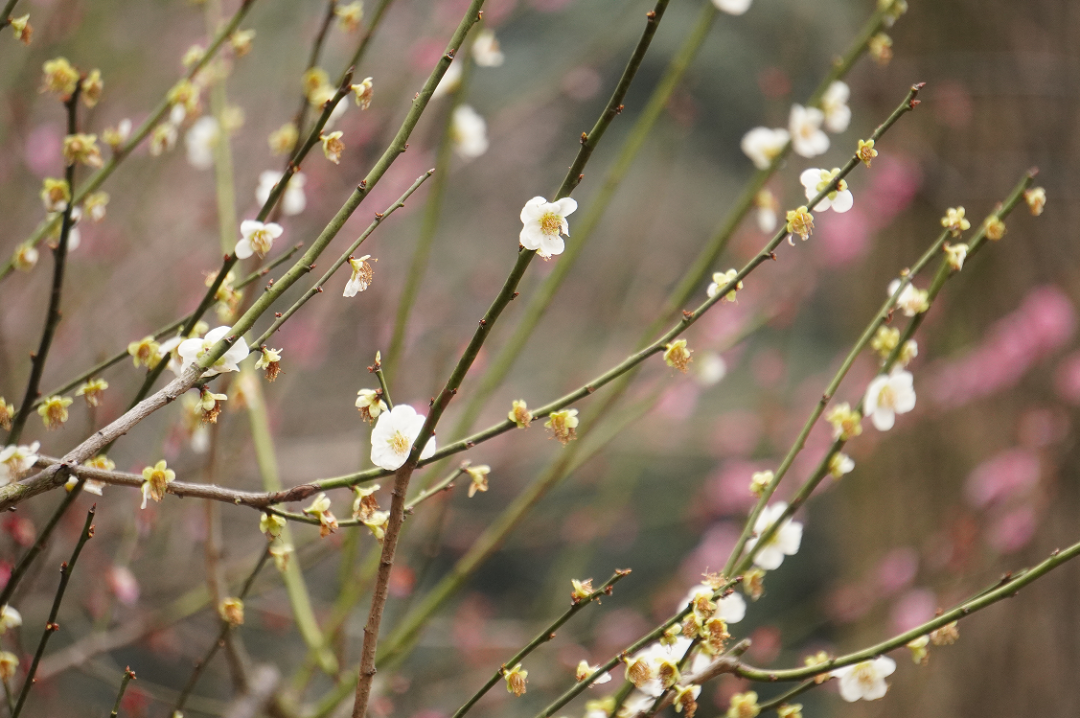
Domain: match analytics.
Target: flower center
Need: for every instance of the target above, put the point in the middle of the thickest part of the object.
(399, 443)
(865, 675)
(260, 241)
(551, 224)
(887, 397)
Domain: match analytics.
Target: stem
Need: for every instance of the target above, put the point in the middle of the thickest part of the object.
(1006, 589)
(428, 227)
(317, 287)
(5, 14)
(51, 626)
(200, 666)
(32, 553)
(718, 242)
(543, 637)
(822, 468)
(52, 316)
(313, 61)
(169, 328)
(223, 167)
(446, 484)
(506, 294)
(293, 576)
(583, 230)
(129, 675)
(99, 177)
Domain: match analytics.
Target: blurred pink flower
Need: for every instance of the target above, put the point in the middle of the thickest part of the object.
(765, 645)
(1067, 379)
(849, 603)
(769, 368)
(1043, 322)
(736, 433)
(124, 585)
(711, 553)
(897, 569)
(842, 237)
(1002, 476)
(550, 5)
(952, 104)
(911, 609)
(43, 151)
(893, 185)
(1039, 428)
(677, 403)
(1012, 531)
(727, 490)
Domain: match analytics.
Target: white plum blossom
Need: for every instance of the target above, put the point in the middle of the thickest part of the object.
(362, 274)
(468, 132)
(200, 142)
(807, 137)
(911, 301)
(393, 437)
(191, 350)
(16, 461)
(785, 542)
(765, 208)
(834, 105)
(485, 50)
(294, 200)
(731, 608)
(865, 680)
(449, 82)
(815, 180)
(709, 369)
(762, 145)
(9, 618)
(887, 396)
(256, 238)
(732, 7)
(545, 224)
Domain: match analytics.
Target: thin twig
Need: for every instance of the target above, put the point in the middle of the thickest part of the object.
(317, 287)
(1006, 588)
(141, 133)
(171, 327)
(129, 675)
(822, 469)
(219, 641)
(52, 315)
(313, 61)
(543, 637)
(51, 626)
(763, 540)
(505, 295)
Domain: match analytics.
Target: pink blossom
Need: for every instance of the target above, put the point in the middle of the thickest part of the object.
(727, 491)
(842, 237)
(1043, 322)
(124, 585)
(765, 645)
(915, 607)
(1012, 531)
(849, 603)
(1002, 477)
(1067, 379)
(43, 150)
(711, 552)
(677, 403)
(736, 433)
(893, 185)
(897, 569)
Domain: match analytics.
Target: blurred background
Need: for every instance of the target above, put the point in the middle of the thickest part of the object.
(980, 479)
